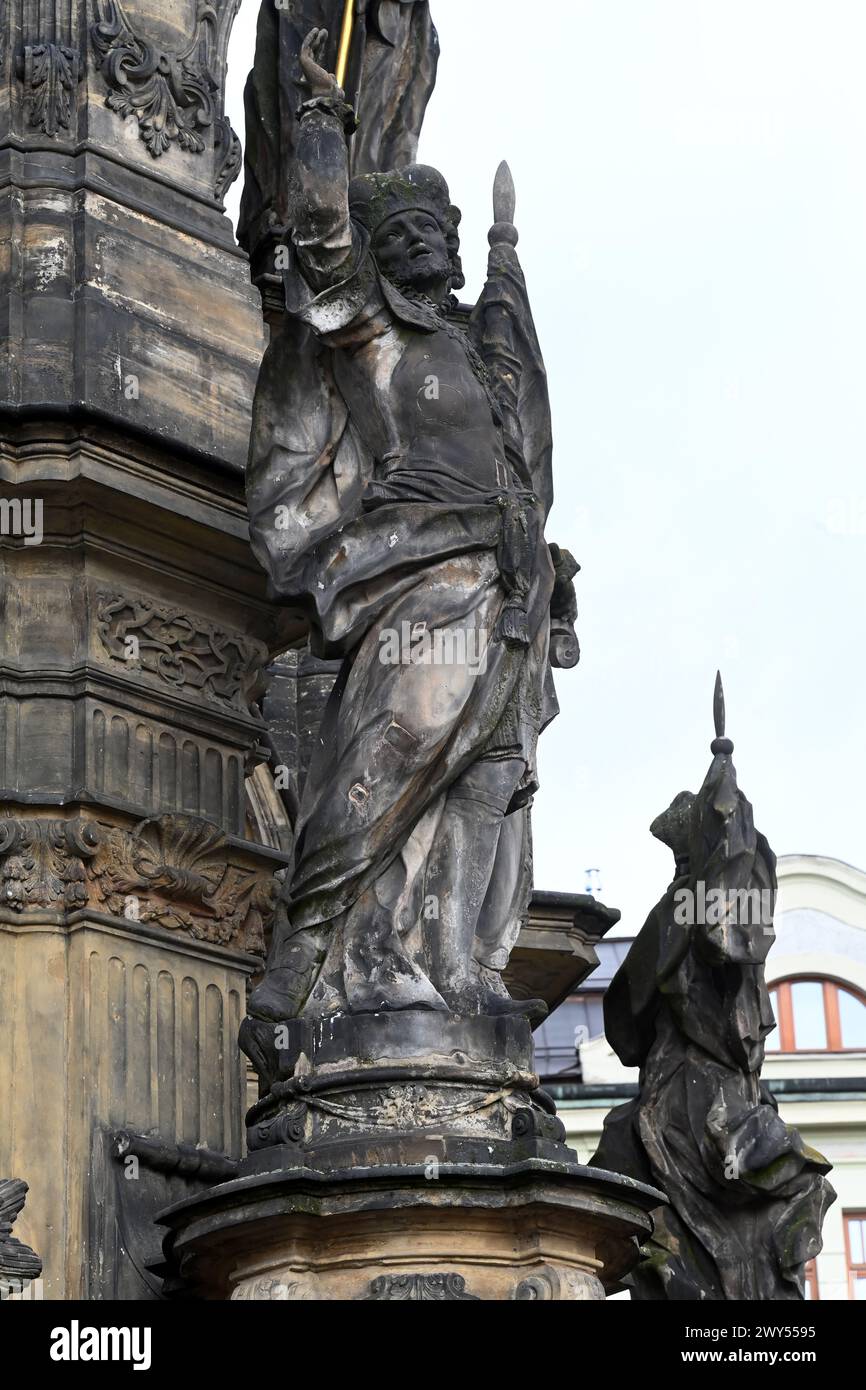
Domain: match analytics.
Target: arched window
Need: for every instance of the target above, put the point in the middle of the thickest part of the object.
(814, 1015)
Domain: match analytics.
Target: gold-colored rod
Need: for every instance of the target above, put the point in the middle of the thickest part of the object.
(345, 42)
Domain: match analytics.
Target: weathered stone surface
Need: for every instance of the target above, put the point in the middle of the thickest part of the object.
(131, 898)
(109, 1022)
(335, 1084)
(114, 159)
(555, 950)
(171, 86)
(170, 645)
(136, 1175)
(114, 694)
(391, 70)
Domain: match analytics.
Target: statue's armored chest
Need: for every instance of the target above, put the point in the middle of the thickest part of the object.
(434, 389)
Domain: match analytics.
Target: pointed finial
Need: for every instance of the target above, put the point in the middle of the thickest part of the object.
(720, 744)
(504, 194)
(719, 706)
(504, 204)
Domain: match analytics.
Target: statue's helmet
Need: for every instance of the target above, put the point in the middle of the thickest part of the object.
(373, 198)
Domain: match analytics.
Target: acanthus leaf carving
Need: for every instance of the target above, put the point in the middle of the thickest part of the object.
(42, 863)
(173, 96)
(173, 870)
(423, 1288)
(50, 73)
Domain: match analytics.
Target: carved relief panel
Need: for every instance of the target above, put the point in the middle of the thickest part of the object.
(162, 66)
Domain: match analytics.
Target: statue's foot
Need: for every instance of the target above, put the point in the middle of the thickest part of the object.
(473, 998)
(278, 996)
(535, 1010)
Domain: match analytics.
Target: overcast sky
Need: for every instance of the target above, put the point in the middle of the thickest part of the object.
(691, 182)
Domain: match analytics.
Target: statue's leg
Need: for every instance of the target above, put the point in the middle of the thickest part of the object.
(458, 877)
(507, 902)
(379, 974)
(291, 974)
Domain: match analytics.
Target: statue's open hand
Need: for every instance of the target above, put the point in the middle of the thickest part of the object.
(319, 82)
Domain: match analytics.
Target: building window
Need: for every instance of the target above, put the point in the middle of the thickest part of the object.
(855, 1251)
(811, 1282)
(557, 1040)
(817, 1016)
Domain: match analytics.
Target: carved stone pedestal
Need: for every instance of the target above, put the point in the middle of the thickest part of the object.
(532, 1228)
(404, 1155)
(336, 1086)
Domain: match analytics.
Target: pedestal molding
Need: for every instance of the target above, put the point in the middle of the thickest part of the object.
(525, 1230)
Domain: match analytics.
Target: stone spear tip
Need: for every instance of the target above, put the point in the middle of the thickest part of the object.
(719, 706)
(504, 195)
(720, 744)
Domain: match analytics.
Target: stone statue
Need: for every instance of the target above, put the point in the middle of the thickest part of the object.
(399, 479)
(689, 1006)
(398, 484)
(19, 1265)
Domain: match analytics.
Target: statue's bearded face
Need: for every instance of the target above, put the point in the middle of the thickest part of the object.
(410, 250)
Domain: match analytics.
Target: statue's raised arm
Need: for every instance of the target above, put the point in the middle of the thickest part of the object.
(322, 233)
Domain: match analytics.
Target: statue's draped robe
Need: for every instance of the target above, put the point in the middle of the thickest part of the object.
(690, 1007)
(379, 505)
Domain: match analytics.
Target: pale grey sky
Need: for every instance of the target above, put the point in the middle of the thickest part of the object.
(691, 183)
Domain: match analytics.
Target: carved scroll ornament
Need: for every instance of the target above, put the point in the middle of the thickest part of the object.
(175, 97)
(171, 870)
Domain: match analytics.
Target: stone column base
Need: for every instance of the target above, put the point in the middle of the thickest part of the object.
(440, 1231)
